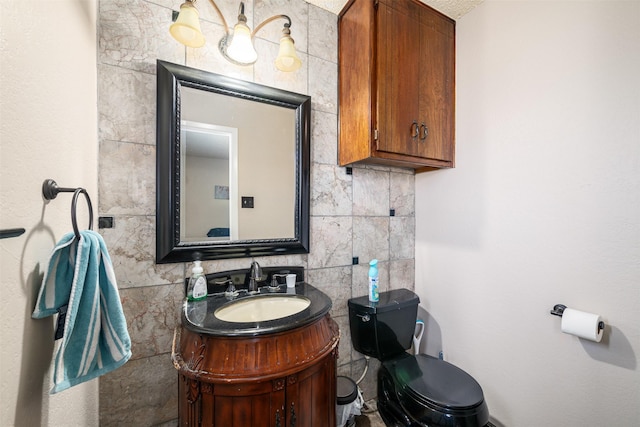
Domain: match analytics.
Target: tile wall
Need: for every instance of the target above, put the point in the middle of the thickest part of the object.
(349, 213)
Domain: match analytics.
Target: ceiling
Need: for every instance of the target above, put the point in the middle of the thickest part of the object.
(452, 8)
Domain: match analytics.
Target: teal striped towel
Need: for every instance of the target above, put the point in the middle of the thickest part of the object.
(94, 332)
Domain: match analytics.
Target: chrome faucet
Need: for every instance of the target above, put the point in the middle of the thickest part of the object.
(255, 274)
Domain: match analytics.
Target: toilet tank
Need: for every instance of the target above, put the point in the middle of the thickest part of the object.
(383, 329)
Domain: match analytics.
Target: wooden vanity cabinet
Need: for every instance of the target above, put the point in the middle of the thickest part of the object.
(396, 84)
(277, 380)
(301, 399)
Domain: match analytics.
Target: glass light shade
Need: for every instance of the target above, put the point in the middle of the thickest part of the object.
(287, 59)
(186, 29)
(241, 47)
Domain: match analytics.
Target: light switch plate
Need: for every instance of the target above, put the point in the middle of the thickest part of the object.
(247, 202)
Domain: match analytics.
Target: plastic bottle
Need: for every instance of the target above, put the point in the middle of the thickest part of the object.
(373, 281)
(197, 289)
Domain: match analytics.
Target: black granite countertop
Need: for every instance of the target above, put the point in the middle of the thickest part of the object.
(198, 316)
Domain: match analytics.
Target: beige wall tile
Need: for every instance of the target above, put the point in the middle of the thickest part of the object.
(127, 178)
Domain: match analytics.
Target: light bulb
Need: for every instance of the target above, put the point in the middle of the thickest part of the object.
(241, 47)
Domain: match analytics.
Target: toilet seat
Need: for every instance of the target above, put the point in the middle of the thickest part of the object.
(437, 383)
(436, 392)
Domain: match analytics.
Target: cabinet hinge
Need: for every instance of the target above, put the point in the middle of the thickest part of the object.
(375, 134)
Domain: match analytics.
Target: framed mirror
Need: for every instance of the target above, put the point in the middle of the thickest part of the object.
(233, 167)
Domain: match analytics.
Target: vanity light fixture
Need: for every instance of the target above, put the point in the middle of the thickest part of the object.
(237, 45)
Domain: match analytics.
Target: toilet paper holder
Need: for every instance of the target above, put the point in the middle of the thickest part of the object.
(558, 310)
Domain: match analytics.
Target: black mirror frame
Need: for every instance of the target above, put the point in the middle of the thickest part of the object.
(170, 77)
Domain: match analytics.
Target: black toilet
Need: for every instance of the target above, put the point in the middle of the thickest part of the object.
(413, 390)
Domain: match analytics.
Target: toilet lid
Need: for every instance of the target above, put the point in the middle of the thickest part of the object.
(434, 382)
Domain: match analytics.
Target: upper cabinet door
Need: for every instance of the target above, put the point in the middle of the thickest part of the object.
(437, 86)
(403, 72)
(398, 82)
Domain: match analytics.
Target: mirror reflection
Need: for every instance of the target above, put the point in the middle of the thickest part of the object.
(244, 151)
(232, 167)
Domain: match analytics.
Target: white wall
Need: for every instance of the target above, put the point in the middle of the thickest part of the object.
(542, 208)
(47, 130)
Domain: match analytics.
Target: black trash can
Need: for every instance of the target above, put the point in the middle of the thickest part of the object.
(347, 408)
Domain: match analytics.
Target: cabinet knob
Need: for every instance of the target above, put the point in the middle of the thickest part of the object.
(415, 129)
(424, 132)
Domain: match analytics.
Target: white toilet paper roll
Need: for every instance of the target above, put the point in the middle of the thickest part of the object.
(581, 324)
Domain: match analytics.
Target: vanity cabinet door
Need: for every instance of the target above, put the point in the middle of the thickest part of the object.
(243, 405)
(311, 396)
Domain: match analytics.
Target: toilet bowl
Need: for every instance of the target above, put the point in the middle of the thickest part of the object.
(413, 390)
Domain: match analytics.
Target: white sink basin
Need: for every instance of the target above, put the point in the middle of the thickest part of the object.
(261, 309)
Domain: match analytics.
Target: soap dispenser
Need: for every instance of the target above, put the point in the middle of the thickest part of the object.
(197, 289)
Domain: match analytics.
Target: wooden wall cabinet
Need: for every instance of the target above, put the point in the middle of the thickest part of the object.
(396, 84)
(277, 380)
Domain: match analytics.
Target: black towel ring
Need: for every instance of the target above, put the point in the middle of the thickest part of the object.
(50, 191)
(74, 201)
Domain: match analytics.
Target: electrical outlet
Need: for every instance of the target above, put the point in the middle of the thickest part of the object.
(105, 222)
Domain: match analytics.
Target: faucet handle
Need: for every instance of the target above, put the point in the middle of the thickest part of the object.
(231, 291)
(231, 288)
(274, 282)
